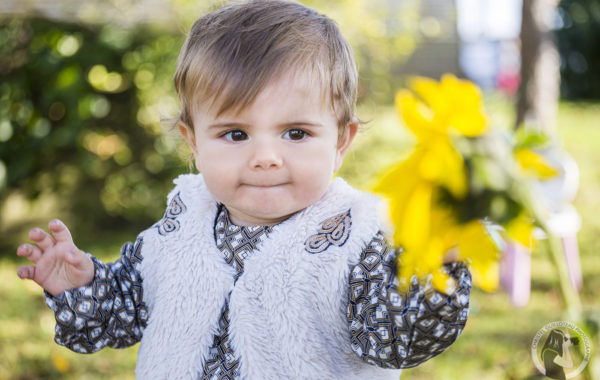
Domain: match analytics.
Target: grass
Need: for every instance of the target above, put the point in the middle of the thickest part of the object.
(494, 345)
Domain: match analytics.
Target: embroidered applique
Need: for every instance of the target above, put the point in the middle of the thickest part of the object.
(169, 222)
(334, 230)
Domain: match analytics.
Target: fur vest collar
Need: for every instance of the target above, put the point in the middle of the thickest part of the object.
(288, 309)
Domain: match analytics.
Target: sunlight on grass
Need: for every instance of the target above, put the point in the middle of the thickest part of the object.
(28, 350)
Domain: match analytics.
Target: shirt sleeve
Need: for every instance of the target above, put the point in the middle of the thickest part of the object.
(108, 312)
(394, 329)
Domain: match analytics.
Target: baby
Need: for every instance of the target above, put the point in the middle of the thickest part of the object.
(262, 267)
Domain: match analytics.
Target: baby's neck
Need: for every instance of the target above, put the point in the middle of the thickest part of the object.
(249, 221)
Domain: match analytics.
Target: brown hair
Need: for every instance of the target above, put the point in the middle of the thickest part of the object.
(232, 53)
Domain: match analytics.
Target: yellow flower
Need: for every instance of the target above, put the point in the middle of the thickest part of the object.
(520, 230)
(477, 247)
(534, 164)
(424, 228)
(450, 106)
(429, 190)
(443, 165)
(486, 275)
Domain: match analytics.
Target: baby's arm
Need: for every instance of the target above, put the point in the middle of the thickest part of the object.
(395, 329)
(59, 264)
(105, 309)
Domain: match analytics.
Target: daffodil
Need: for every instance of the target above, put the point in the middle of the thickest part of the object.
(431, 193)
(534, 164)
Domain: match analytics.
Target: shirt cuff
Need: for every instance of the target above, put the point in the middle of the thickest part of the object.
(69, 297)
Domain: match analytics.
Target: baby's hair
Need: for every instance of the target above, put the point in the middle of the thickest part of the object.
(232, 53)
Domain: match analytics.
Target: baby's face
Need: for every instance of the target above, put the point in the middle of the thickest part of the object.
(275, 157)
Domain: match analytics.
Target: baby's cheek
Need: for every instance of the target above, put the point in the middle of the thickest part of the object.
(315, 182)
(218, 185)
(198, 165)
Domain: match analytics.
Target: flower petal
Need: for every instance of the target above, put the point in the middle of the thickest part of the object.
(417, 117)
(520, 230)
(476, 244)
(534, 164)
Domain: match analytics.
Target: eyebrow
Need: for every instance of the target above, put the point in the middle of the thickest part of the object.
(243, 125)
(227, 125)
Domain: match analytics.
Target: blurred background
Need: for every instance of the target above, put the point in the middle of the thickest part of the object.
(85, 97)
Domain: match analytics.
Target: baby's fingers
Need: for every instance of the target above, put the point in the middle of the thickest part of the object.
(26, 271)
(60, 231)
(41, 238)
(30, 252)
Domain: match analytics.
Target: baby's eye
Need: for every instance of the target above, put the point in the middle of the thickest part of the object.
(295, 134)
(235, 136)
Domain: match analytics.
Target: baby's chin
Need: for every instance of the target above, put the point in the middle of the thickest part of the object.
(251, 206)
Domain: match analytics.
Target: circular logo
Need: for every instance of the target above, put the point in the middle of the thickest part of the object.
(560, 350)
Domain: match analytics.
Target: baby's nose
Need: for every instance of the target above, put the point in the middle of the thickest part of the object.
(265, 156)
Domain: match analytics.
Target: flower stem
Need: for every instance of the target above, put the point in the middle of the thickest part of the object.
(568, 292)
(571, 299)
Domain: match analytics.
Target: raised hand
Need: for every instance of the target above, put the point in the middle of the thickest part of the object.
(59, 264)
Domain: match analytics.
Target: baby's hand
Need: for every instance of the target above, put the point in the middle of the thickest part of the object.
(59, 264)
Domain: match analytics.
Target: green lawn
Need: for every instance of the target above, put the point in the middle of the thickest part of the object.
(494, 345)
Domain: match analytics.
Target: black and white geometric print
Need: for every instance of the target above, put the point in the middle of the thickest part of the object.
(401, 330)
(333, 231)
(238, 243)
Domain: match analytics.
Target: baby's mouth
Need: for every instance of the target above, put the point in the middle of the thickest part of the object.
(265, 185)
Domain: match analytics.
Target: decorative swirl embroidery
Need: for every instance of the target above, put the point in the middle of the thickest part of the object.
(334, 230)
(169, 222)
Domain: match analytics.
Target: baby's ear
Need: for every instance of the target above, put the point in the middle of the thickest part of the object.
(188, 135)
(344, 143)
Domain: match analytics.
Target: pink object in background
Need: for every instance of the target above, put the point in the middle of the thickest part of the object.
(515, 273)
(508, 81)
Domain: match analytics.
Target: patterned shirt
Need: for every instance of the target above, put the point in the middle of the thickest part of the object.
(388, 328)
(402, 330)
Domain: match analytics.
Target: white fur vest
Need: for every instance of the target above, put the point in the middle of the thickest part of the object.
(288, 309)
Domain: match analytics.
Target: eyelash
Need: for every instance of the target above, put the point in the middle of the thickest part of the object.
(229, 135)
(304, 134)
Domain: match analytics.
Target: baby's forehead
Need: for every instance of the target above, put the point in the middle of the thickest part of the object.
(295, 83)
(305, 83)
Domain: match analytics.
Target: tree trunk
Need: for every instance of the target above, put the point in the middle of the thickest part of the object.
(537, 102)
